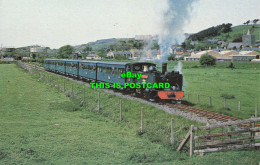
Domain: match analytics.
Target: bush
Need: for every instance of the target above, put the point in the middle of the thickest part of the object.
(171, 58)
(207, 60)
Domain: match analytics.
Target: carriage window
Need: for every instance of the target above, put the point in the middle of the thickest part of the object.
(127, 68)
(81, 66)
(113, 70)
(99, 69)
(120, 71)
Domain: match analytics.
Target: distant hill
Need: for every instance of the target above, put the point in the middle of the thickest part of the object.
(103, 43)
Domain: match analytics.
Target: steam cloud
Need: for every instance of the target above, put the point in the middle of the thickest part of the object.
(174, 19)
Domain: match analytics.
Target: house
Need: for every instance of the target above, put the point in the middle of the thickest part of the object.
(213, 41)
(226, 54)
(136, 53)
(93, 57)
(196, 56)
(77, 54)
(235, 45)
(113, 54)
(246, 58)
(249, 53)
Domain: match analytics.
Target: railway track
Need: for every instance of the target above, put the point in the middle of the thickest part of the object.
(187, 108)
(208, 114)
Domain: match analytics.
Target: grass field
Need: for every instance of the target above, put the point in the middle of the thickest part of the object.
(40, 125)
(240, 84)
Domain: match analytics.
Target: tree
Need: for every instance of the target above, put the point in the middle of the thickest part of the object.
(102, 52)
(171, 58)
(87, 49)
(247, 22)
(65, 51)
(207, 60)
(155, 46)
(237, 37)
(255, 21)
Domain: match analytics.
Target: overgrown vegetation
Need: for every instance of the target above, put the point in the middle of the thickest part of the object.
(211, 32)
(207, 60)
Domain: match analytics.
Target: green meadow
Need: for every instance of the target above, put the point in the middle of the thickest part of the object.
(220, 82)
(41, 125)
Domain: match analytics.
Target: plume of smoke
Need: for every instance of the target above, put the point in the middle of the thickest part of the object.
(145, 52)
(174, 19)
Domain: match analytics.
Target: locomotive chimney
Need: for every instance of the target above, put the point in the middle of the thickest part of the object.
(164, 68)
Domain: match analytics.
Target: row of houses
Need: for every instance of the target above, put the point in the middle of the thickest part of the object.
(225, 55)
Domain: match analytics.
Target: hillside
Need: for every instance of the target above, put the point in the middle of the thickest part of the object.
(210, 37)
(100, 44)
(242, 29)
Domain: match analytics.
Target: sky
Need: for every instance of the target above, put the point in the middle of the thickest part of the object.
(55, 23)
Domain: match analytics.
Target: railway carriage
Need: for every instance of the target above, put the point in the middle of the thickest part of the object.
(72, 67)
(111, 72)
(87, 70)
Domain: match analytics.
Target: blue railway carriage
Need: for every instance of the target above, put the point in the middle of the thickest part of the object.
(111, 72)
(49, 64)
(87, 70)
(72, 67)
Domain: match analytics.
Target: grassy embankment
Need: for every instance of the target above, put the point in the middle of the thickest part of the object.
(240, 84)
(40, 125)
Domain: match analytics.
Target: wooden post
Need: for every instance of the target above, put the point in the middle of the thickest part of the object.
(198, 99)
(191, 140)
(120, 116)
(142, 119)
(72, 91)
(210, 100)
(238, 106)
(98, 101)
(188, 99)
(83, 95)
(256, 111)
(64, 85)
(172, 133)
(224, 103)
(252, 133)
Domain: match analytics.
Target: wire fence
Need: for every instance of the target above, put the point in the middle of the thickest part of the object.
(227, 104)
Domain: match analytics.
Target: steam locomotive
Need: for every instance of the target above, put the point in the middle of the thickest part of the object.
(110, 72)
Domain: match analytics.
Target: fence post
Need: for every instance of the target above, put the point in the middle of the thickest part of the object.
(252, 133)
(83, 95)
(238, 105)
(64, 85)
(191, 140)
(142, 119)
(256, 111)
(120, 116)
(172, 133)
(224, 103)
(198, 98)
(210, 100)
(98, 101)
(188, 99)
(72, 91)
(58, 86)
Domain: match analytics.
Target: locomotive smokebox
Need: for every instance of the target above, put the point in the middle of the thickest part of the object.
(164, 68)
